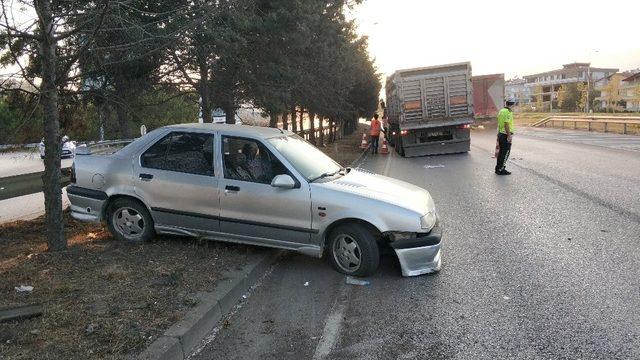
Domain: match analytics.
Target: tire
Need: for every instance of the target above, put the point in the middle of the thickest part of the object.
(130, 221)
(351, 242)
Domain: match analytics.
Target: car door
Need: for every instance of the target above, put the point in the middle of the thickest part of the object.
(176, 178)
(250, 207)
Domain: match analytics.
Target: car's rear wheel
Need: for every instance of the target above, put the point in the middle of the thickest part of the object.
(354, 250)
(129, 220)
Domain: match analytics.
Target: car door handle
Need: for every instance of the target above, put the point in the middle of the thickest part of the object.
(231, 189)
(146, 177)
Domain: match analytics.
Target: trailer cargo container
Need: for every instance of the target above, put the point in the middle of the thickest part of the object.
(430, 109)
(488, 95)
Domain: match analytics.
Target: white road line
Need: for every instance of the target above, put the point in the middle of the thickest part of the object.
(386, 166)
(332, 325)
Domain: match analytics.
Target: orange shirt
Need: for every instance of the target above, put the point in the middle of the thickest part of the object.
(375, 127)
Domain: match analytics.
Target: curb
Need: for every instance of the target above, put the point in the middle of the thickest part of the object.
(182, 337)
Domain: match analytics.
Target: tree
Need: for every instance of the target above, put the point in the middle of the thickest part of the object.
(44, 48)
(538, 97)
(611, 93)
(570, 96)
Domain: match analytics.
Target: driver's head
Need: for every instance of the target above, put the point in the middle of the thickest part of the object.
(249, 151)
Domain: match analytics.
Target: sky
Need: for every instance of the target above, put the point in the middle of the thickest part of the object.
(512, 37)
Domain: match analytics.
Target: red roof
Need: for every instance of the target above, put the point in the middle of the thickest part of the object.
(632, 77)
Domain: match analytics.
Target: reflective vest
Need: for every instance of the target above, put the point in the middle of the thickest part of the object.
(375, 127)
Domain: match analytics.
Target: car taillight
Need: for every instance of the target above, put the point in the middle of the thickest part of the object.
(404, 132)
(73, 174)
(465, 126)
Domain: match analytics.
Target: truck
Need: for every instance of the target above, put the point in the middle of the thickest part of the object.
(488, 95)
(430, 110)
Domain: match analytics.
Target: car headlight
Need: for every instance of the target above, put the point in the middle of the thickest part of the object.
(428, 221)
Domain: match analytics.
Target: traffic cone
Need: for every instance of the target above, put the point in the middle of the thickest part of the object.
(385, 149)
(364, 144)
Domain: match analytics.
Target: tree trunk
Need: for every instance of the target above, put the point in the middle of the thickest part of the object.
(332, 132)
(294, 119)
(203, 90)
(121, 113)
(273, 119)
(312, 127)
(321, 130)
(285, 121)
(229, 114)
(49, 92)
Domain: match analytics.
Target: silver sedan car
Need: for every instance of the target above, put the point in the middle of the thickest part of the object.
(258, 186)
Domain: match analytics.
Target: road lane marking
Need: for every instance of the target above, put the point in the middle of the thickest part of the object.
(386, 166)
(332, 325)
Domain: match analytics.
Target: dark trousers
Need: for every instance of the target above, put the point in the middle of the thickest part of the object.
(503, 153)
(374, 143)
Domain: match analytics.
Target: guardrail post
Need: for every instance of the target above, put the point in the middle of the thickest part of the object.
(606, 126)
(562, 124)
(575, 125)
(624, 128)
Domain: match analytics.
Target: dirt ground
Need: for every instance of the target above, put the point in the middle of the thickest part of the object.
(101, 298)
(347, 149)
(106, 299)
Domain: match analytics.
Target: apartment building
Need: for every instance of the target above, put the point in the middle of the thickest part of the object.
(548, 83)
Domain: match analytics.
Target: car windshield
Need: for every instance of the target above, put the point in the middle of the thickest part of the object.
(306, 158)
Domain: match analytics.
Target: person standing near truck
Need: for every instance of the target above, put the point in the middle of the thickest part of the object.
(375, 133)
(505, 134)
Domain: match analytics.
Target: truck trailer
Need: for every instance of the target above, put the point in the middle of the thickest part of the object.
(430, 109)
(488, 95)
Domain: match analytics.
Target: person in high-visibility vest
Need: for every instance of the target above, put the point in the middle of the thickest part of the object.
(375, 133)
(505, 134)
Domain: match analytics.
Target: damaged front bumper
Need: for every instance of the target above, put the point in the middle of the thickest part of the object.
(421, 254)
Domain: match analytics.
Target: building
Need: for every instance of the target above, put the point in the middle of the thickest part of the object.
(627, 91)
(515, 89)
(630, 91)
(548, 83)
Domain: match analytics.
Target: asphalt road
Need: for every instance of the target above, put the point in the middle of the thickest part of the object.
(542, 264)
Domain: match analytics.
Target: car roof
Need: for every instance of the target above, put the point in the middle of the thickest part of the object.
(257, 131)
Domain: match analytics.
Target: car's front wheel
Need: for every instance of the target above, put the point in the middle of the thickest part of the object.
(353, 250)
(129, 220)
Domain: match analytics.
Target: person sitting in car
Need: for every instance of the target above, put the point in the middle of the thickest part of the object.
(255, 163)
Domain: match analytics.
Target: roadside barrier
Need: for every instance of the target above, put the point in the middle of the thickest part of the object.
(364, 144)
(625, 121)
(385, 148)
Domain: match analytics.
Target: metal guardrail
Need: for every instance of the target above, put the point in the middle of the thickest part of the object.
(31, 183)
(25, 184)
(625, 121)
(101, 147)
(306, 134)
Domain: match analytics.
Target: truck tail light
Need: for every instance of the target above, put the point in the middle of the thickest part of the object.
(465, 126)
(404, 132)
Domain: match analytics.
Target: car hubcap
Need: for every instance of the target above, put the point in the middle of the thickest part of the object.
(128, 222)
(347, 253)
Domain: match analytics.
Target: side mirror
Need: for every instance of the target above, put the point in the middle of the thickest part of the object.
(283, 181)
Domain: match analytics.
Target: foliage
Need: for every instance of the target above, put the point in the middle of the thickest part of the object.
(611, 93)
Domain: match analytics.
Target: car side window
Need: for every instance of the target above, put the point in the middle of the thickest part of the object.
(184, 152)
(249, 160)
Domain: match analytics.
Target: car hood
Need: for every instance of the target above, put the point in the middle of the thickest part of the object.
(383, 188)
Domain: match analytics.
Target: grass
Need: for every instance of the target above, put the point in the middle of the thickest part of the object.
(102, 298)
